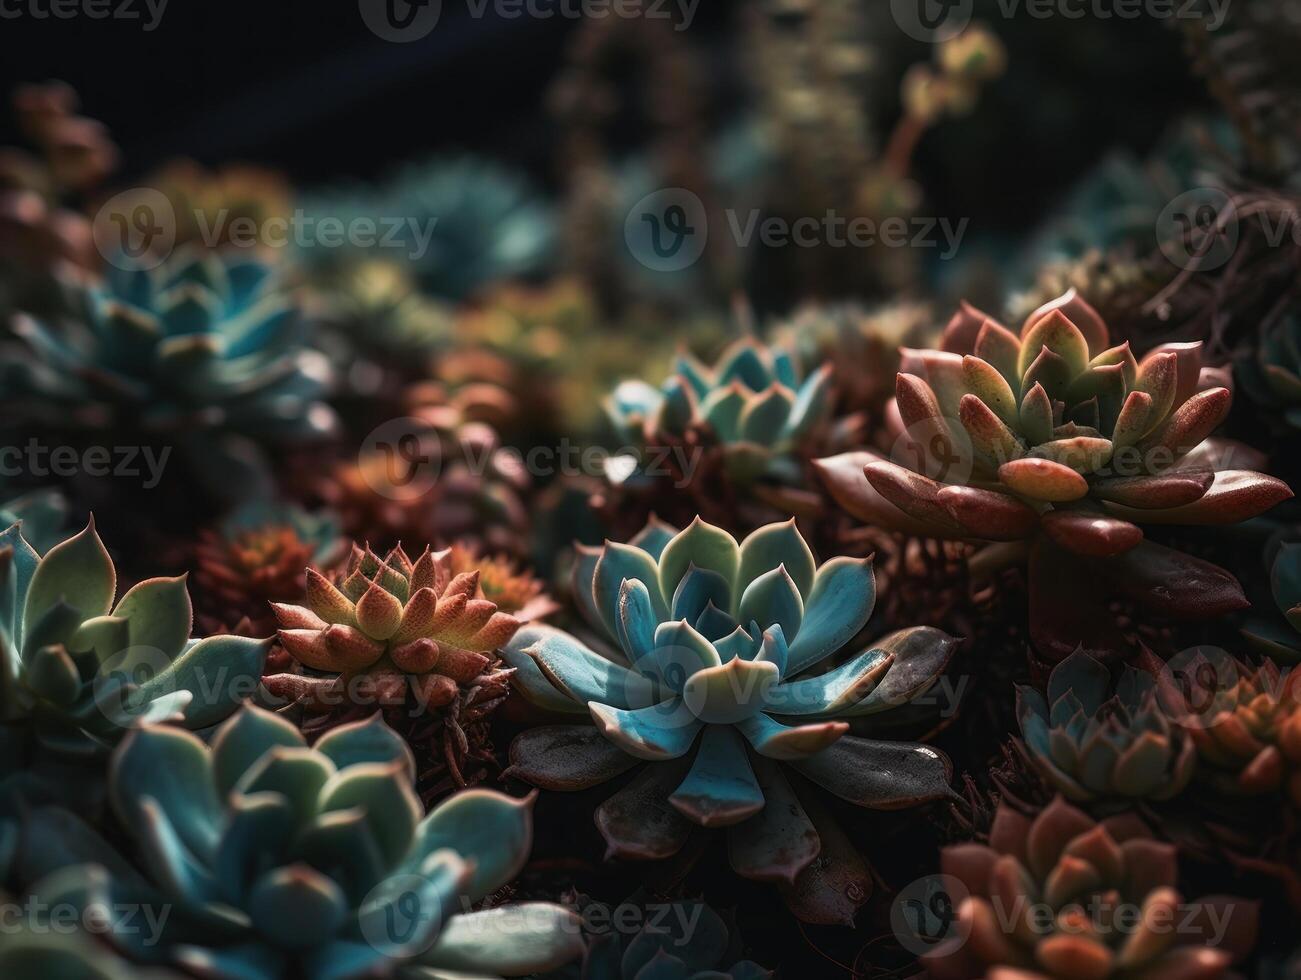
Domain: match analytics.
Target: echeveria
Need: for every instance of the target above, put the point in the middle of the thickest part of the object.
(1269, 371)
(1063, 896)
(276, 859)
(1059, 439)
(80, 668)
(710, 679)
(393, 629)
(1092, 744)
(752, 403)
(1278, 635)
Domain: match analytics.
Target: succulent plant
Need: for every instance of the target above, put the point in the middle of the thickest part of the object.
(1244, 720)
(1095, 745)
(279, 860)
(392, 631)
(709, 680)
(485, 224)
(752, 403)
(79, 670)
(256, 556)
(1060, 441)
(1269, 371)
(1064, 896)
(1279, 636)
(42, 514)
(685, 939)
(32, 952)
(207, 350)
(503, 583)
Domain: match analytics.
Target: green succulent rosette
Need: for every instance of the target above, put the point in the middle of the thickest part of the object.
(1093, 744)
(709, 677)
(753, 403)
(208, 349)
(275, 859)
(80, 669)
(1279, 636)
(1269, 371)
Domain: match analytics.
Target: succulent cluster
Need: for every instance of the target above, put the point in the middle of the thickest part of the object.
(80, 669)
(391, 631)
(276, 859)
(257, 556)
(1062, 895)
(206, 349)
(752, 402)
(1092, 744)
(1245, 722)
(708, 679)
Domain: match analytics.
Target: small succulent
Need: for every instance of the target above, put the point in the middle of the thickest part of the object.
(753, 403)
(684, 939)
(1057, 439)
(1095, 745)
(376, 310)
(276, 859)
(502, 582)
(1064, 896)
(1244, 720)
(1269, 371)
(709, 680)
(80, 669)
(392, 630)
(42, 514)
(256, 556)
(1279, 636)
(484, 224)
(207, 349)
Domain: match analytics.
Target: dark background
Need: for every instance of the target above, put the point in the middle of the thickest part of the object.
(303, 86)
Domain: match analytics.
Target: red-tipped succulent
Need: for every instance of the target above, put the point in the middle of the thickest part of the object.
(1060, 440)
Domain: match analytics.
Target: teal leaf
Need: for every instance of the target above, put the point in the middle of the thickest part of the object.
(159, 614)
(779, 841)
(617, 563)
(174, 768)
(245, 738)
(778, 741)
(637, 624)
(22, 568)
(724, 695)
(258, 830)
(660, 732)
(832, 692)
(720, 789)
(583, 676)
(78, 571)
(773, 545)
(297, 907)
(362, 742)
(700, 587)
(764, 420)
(296, 775)
(836, 608)
(384, 792)
(342, 846)
(220, 671)
(510, 940)
(680, 651)
(492, 831)
(702, 545)
(528, 678)
(773, 599)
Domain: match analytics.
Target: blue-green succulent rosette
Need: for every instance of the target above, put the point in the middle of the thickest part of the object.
(1277, 633)
(1095, 741)
(754, 404)
(78, 669)
(275, 859)
(207, 350)
(709, 677)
